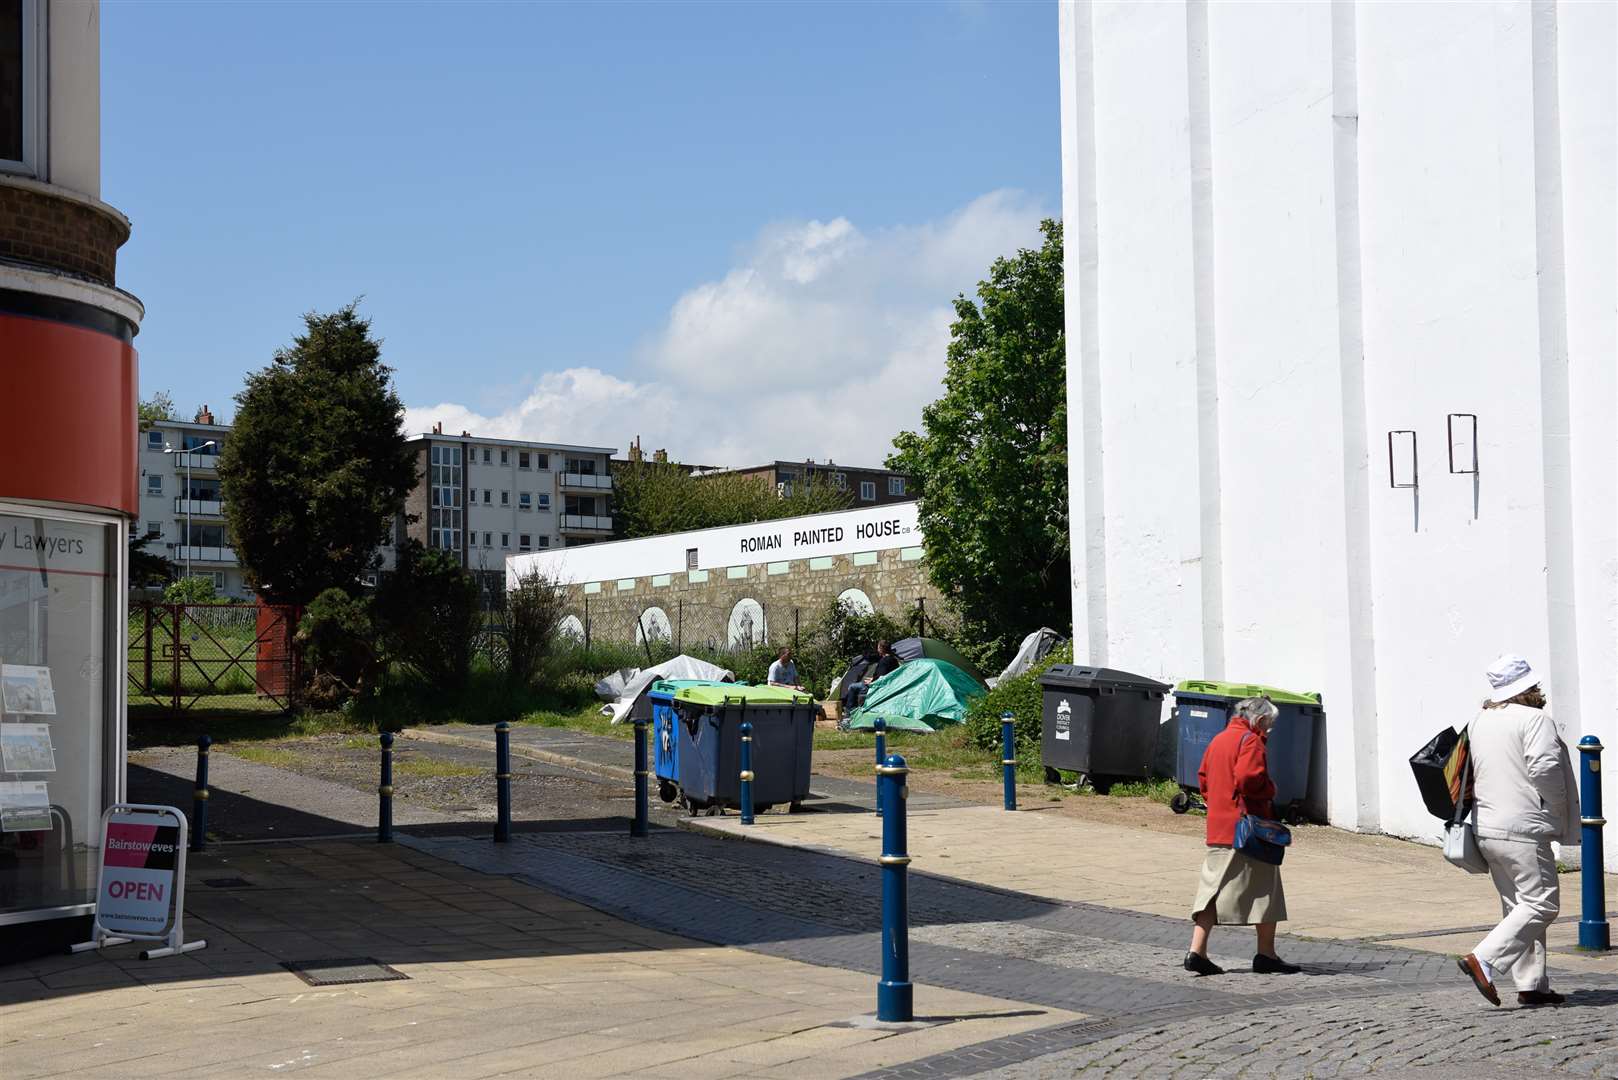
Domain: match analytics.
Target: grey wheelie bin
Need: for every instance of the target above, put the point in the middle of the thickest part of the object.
(709, 730)
(1100, 723)
(1203, 708)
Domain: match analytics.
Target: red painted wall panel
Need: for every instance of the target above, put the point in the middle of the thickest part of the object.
(67, 398)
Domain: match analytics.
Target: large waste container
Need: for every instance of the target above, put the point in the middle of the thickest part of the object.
(1100, 723)
(665, 736)
(1203, 709)
(709, 754)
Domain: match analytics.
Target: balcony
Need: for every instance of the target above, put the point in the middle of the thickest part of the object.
(593, 524)
(203, 462)
(199, 507)
(203, 555)
(572, 481)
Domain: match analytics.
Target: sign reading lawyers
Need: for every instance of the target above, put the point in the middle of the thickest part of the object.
(137, 874)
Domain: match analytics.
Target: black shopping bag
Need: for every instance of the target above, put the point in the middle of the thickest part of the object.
(1440, 769)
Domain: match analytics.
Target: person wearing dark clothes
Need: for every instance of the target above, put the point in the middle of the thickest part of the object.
(885, 662)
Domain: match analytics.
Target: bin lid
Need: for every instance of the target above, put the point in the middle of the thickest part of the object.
(719, 693)
(665, 689)
(1236, 691)
(1082, 677)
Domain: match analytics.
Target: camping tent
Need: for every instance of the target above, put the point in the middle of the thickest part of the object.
(1035, 647)
(632, 691)
(915, 648)
(918, 695)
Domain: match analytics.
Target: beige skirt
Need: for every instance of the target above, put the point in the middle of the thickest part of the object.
(1241, 890)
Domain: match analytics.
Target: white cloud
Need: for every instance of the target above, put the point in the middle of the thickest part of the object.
(824, 341)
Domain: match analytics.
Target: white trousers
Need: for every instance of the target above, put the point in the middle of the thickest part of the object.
(1524, 875)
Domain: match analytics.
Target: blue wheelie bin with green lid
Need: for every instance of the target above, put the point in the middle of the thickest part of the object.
(709, 755)
(1203, 709)
(665, 736)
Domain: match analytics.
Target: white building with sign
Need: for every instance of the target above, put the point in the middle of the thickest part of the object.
(1341, 359)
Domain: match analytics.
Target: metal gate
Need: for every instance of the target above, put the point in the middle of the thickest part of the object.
(212, 657)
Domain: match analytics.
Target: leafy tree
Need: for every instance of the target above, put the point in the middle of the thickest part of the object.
(653, 498)
(991, 458)
(337, 641)
(428, 614)
(316, 468)
(155, 409)
(534, 611)
(147, 567)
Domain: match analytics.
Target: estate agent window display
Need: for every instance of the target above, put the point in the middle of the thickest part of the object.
(61, 683)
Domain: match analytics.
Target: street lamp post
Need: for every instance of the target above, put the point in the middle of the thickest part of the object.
(168, 448)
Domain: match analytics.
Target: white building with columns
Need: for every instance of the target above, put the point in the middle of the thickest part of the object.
(1343, 359)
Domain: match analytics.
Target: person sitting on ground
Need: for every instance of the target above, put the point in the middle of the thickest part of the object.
(784, 672)
(1236, 889)
(1526, 796)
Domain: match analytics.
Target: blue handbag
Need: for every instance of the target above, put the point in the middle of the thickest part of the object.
(1261, 838)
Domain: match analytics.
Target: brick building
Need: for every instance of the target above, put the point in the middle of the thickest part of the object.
(866, 487)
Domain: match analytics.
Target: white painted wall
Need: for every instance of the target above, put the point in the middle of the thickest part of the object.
(1291, 229)
(840, 533)
(74, 154)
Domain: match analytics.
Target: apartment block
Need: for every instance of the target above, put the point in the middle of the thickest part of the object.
(866, 487)
(181, 509)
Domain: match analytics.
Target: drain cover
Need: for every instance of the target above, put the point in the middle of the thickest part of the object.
(351, 969)
(227, 883)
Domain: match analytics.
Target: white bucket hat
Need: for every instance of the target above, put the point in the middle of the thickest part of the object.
(1509, 676)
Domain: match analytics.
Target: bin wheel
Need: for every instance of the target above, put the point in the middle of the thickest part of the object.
(713, 811)
(1053, 776)
(763, 808)
(795, 807)
(1293, 814)
(1180, 803)
(666, 791)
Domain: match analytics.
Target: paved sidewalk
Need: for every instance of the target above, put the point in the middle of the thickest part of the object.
(502, 979)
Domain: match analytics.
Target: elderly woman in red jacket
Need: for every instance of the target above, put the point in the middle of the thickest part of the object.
(1237, 890)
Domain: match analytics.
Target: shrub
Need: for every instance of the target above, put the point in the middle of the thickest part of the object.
(190, 590)
(534, 611)
(1022, 696)
(428, 615)
(336, 640)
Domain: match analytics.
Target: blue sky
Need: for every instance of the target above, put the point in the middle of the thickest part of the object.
(579, 222)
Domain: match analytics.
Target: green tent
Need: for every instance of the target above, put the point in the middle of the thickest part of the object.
(918, 695)
(919, 648)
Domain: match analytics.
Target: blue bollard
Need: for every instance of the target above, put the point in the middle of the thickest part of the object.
(880, 726)
(639, 826)
(502, 782)
(1008, 757)
(384, 792)
(199, 797)
(747, 772)
(1594, 932)
(894, 994)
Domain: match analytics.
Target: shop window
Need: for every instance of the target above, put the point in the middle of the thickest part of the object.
(22, 85)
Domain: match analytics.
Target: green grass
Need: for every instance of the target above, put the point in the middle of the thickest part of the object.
(278, 756)
(423, 767)
(1159, 791)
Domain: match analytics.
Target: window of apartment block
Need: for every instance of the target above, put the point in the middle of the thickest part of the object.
(896, 485)
(154, 528)
(154, 483)
(488, 540)
(583, 466)
(840, 480)
(544, 461)
(154, 440)
(690, 558)
(522, 459)
(505, 457)
(525, 501)
(544, 501)
(544, 541)
(505, 498)
(868, 490)
(485, 455)
(505, 541)
(488, 496)
(523, 542)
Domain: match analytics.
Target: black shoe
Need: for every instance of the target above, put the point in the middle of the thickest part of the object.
(1201, 965)
(1273, 965)
(1529, 999)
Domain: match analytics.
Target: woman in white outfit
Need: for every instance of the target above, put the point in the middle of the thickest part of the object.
(1527, 797)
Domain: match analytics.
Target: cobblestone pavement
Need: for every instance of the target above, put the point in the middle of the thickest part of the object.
(1360, 1007)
